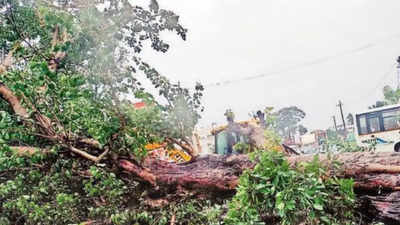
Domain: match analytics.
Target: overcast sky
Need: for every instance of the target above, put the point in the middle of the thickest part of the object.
(308, 53)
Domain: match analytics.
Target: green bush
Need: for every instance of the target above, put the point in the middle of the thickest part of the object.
(274, 193)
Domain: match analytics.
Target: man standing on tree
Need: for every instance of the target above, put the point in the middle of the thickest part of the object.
(261, 117)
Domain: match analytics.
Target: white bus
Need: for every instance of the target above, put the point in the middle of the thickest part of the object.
(380, 127)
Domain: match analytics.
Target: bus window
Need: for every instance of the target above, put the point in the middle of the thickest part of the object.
(373, 124)
(391, 119)
(362, 125)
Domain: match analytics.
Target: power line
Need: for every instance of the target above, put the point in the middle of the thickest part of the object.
(307, 63)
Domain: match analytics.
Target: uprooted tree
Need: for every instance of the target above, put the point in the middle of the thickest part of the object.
(64, 72)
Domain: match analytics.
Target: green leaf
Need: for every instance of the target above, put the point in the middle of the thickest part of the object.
(281, 206)
(318, 206)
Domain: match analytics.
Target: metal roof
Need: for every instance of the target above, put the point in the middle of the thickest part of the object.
(380, 109)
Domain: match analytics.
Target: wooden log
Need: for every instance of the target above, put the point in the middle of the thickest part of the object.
(369, 170)
(210, 174)
(385, 207)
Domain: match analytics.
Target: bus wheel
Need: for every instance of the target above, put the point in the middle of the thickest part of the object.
(397, 147)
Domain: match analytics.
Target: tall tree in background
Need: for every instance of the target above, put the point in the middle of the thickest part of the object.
(287, 120)
(391, 96)
(284, 121)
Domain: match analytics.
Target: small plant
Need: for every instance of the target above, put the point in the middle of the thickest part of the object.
(242, 147)
(272, 140)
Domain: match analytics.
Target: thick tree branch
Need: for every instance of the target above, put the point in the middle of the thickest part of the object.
(6, 93)
(57, 55)
(81, 153)
(27, 151)
(13, 100)
(185, 147)
(89, 141)
(7, 62)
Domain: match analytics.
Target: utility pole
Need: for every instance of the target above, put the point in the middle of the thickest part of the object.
(398, 72)
(334, 123)
(340, 105)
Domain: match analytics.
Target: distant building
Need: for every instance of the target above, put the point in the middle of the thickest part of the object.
(314, 138)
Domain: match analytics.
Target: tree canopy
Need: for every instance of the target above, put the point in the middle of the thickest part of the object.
(391, 96)
(287, 120)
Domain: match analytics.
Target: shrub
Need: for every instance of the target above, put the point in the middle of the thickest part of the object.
(274, 193)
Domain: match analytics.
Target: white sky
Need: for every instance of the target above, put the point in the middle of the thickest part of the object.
(314, 53)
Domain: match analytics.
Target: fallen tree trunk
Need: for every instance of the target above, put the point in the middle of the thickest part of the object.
(376, 176)
(369, 170)
(209, 174)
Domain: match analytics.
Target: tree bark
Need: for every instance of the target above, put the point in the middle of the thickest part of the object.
(376, 177)
(211, 174)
